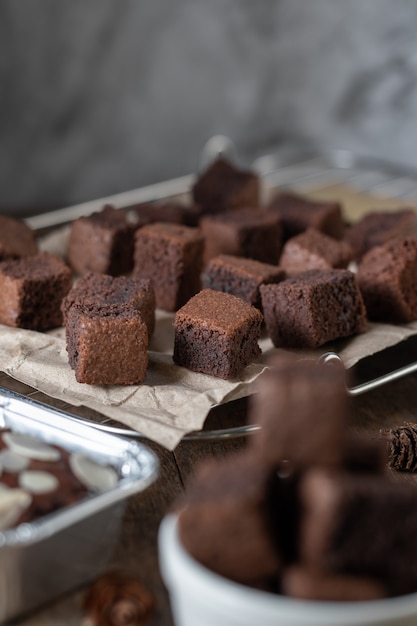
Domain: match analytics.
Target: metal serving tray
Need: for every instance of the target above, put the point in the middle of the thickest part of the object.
(295, 169)
(60, 551)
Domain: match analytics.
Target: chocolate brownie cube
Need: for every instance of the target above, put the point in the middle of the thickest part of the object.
(227, 523)
(255, 234)
(150, 212)
(17, 239)
(313, 250)
(378, 227)
(217, 333)
(302, 409)
(312, 308)
(107, 345)
(301, 582)
(224, 187)
(360, 525)
(298, 213)
(102, 242)
(171, 256)
(241, 277)
(110, 293)
(32, 289)
(387, 277)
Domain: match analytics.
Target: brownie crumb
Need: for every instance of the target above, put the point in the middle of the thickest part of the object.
(17, 239)
(222, 187)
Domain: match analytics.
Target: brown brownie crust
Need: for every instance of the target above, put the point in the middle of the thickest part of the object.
(313, 308)
(216, 333)
(150, 212)
(107, 349)
(304, 583)
(240, 277)
(387, 277)
(378, 227)
(224, 187)
(17, 239)
(32, 290)
(108, 324)
(315, 398)
(226, 524)
(102, 242)
(334, 542)
(255, 234)
(313, 250)
(107, 294)
(298, 213)
(171, 256)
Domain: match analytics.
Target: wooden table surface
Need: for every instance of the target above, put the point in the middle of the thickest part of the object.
(386, 406)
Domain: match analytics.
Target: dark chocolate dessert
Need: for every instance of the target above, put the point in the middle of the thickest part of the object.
(32, 289)
(217, 333)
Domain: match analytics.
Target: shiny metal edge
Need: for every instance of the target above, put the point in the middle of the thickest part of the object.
(157, 191)
(264, 165)
(136, 464)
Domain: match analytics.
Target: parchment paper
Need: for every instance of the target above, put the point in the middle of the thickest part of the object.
(172, 401)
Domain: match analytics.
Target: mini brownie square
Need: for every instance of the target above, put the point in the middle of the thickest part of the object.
(102, 242)
(94, 291)
(302, 409)
(241, 277)
(17, 239)
(107, 345)
(32, 289)
(227, 523)
(224, 187)
(150, 212)
(312, 308)
(299, 581)
(217, 333)
(378, 227)
(387, 278)
(171, 256)
(255, 234)
(299, 213)
(360, 524)
(313, 250)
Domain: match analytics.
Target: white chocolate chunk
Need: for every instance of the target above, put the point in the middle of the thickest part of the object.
(12, 504)
(12, 462)
(30, 447)
(38, 481)
(93, 475)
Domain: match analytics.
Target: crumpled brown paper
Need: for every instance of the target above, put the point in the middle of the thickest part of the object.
(172, 401)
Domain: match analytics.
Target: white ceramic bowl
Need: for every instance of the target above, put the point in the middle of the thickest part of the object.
(199, 597)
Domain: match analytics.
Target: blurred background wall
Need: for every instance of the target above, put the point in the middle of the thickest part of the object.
(100, 96)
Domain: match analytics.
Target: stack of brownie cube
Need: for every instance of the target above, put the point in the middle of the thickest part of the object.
(308, 509)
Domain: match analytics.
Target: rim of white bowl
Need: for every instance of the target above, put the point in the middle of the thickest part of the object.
(179, 568)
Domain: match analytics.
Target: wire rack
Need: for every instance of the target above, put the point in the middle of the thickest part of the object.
(296, 170)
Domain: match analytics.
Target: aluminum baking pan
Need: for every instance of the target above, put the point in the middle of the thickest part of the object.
(62, 550)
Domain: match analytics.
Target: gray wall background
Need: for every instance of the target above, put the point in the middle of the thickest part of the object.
(100, 96)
